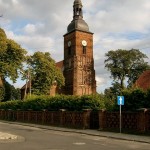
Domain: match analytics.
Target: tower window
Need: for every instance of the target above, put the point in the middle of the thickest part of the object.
(84, 49)
(80, 11)
(69, 50)
(77, 11)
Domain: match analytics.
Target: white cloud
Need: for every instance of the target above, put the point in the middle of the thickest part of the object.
(30, 28)
(15, 2)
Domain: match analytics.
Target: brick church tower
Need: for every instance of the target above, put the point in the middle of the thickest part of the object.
(79, 70)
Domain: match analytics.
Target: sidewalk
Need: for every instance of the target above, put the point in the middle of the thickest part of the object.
(120, 136)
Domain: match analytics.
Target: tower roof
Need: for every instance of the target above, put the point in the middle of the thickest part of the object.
(77, 23)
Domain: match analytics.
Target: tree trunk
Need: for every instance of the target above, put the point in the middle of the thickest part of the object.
(2, 90)
(122, 83)
(1, 82)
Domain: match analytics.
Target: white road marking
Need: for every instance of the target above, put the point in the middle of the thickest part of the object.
(79, 143)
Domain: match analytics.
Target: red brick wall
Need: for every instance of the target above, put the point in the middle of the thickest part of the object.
(58, 118)
(143, 81)
(131, 121)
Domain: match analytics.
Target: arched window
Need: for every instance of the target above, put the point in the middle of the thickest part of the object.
(77, 11)
(80, 11)
(69, 51)
(84, 49)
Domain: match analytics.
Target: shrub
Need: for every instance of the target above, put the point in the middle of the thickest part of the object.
(134, 99)
(71, 103)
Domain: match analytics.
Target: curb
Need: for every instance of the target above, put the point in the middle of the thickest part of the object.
(117, 136)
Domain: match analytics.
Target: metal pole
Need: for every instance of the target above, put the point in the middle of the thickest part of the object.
(30, 82)
(120, 119)
(25, 91)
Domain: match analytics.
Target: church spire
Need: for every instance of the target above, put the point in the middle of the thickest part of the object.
(77, 23)
(77, 10)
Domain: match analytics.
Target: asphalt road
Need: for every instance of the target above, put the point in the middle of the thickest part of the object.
(30, 138)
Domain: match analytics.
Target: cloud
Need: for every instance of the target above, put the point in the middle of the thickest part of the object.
(32, 28)
(40, 25)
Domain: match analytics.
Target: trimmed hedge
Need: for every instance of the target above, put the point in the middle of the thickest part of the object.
(71, 103)
(134, 99)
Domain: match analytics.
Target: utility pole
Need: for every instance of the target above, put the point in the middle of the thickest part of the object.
(28, 83)
(29, 79)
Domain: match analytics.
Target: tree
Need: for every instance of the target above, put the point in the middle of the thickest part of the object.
(125, 65)
(113, 91)
(12, 57)
(43, 73)
(11, 93)
(3, 42)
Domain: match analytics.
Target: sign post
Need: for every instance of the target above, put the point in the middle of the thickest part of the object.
(120, 102)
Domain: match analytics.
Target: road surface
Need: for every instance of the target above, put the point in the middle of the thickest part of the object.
(31, 138)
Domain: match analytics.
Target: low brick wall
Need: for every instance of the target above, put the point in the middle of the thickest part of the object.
(147, 120)
(131, 121)
(58, 118)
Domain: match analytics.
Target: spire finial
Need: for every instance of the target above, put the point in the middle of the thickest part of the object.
(77, 9)
(77, 2)
(78, 23)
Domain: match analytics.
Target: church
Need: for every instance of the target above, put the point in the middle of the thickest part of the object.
(78, 63)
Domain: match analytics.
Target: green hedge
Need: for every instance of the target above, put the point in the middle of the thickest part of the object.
(134, 100)
(71, 103)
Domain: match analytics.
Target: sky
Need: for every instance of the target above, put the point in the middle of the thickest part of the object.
(39, 25)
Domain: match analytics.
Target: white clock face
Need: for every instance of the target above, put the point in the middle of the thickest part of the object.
(69, 43)
(84, 43)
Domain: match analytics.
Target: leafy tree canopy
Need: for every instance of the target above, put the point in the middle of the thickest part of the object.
(125, 65)
(44, 73)
(11, 93)
(12, 57)
(3, 40)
